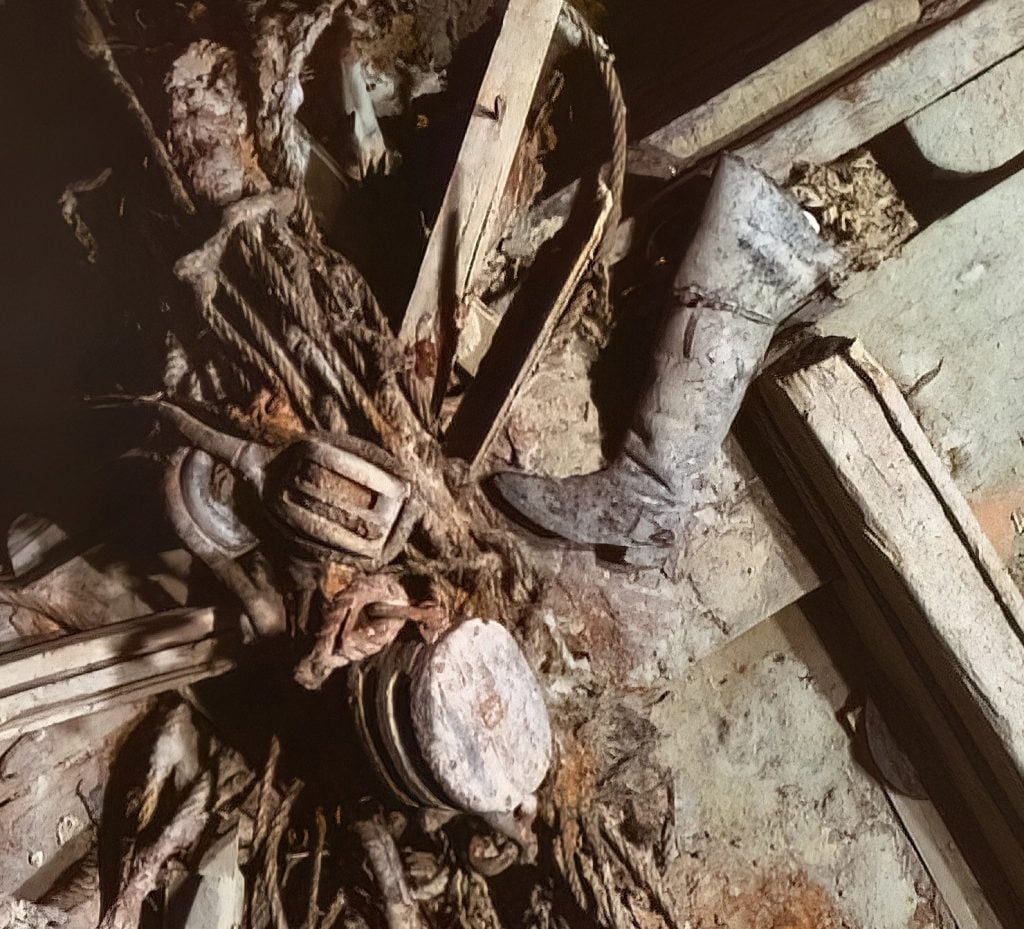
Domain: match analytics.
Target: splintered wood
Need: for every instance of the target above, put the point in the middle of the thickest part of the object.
(924, 586)
(470, 211)
(113, 665)
(894, 90)
(778, 86)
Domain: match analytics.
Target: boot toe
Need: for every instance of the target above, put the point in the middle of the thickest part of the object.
(522, 497)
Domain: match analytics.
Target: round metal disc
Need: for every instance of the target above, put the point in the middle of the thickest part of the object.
(479, 718)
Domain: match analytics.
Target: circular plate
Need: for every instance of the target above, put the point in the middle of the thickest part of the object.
(479, 718)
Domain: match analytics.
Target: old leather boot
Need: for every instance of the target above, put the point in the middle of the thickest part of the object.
(755, 260)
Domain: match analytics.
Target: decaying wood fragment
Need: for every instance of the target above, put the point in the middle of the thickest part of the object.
(467, 222)
(885, 95)
(117, 664)
(781, 84)
(191, 780)
(400, 909)
(923, 585)
(21, 914)
(476, 448)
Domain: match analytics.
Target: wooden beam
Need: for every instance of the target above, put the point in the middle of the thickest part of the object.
(121, 663)
(935, 64)
(979, 126)
(893, 86)
(946, 865)
(923, 585)
(470, 215)
(475, 448)
(775, 88)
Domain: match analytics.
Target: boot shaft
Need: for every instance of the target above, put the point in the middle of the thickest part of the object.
(755, 259)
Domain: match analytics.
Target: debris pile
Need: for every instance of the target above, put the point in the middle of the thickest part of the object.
(402, 739)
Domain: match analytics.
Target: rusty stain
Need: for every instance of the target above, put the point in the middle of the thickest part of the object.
(492, 710)
(269, 418)
(614, 648)
(995, 514)
(575, 778)
(336, 577)
(336, 486)
(426, 359)
(786, 901)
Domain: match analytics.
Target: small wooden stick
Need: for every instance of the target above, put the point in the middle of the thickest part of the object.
(121, 663)
(470, 214)
(400, 909)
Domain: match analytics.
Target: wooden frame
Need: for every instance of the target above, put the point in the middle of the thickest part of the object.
(922, 584)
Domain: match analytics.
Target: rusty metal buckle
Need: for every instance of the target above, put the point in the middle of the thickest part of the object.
(334, 496)
(331, 494)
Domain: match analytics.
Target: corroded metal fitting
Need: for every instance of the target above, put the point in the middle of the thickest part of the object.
(330, 496)
(457, 725)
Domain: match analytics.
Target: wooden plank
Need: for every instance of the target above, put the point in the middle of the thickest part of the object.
(469, 215)
(940, 318)
(119, 685)
(476, 453)
(932, 840)
(946, 865)
(923, 825)
(118, 664)
(894, 90)
(75, 653)
(923, 584)
(776, 87)
(978, 127)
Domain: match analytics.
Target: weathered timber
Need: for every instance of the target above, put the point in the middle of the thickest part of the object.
(893, 90)
(941, 318)
(469, 215)
(921, 582)
(771, 90)
(113, 665)
(978, 127)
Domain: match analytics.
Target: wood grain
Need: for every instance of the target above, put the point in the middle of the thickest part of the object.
(895, 89)
(921, 582)
(112, 665)
(469, 212)
(774, 88)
